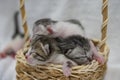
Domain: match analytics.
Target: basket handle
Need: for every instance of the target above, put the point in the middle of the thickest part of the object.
(103, 30)
(24, 21)
(104, 25)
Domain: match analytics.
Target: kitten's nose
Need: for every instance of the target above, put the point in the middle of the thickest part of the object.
(50, 30)
(26, 57)
(30, 40)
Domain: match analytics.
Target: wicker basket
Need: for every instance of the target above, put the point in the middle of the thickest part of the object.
(93, 71)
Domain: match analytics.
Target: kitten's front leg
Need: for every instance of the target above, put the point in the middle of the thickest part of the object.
(67, 68)
(96, 55)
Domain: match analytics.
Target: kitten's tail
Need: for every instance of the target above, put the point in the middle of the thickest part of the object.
(16, 24)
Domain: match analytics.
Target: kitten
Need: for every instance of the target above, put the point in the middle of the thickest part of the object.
(54, 28)
(78, 49)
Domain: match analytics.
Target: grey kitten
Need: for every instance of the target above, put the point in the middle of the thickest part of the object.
(76, 48)
(79, 49)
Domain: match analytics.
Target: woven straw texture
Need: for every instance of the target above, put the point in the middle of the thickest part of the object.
(93, 71)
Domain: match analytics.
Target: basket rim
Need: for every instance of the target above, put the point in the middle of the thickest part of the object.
(20, 57)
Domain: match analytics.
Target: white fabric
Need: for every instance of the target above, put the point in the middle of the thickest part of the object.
(87, 11)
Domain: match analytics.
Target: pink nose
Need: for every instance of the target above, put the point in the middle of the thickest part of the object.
(26, 57)
(50, 30)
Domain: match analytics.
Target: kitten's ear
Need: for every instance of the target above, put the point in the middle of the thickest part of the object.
(47, 48)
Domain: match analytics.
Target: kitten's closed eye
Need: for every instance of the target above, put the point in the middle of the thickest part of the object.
(39, 57)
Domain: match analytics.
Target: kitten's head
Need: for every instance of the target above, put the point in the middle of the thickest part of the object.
(39, 51)
(40, 26)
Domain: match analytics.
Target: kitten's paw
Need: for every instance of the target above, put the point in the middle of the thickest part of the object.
(66, 69)
(100, 59)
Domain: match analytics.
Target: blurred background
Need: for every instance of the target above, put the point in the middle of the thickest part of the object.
(87, 11)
